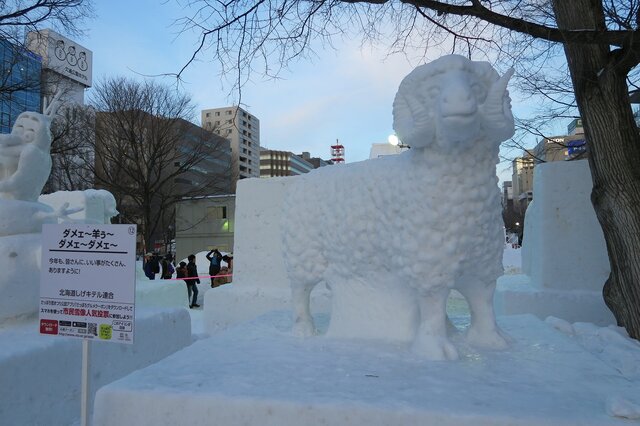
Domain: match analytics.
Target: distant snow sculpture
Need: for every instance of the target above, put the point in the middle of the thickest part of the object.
(425, 221)
(95, 206)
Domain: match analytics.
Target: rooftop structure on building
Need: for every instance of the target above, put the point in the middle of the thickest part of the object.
(243, 131)
(66, 65)
(337, 153)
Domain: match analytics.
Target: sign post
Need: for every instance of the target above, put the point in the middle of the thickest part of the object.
(87, 287)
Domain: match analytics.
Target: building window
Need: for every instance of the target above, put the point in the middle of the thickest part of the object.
(217, 113)
(228, 112)
(208, 114)
(217, 212)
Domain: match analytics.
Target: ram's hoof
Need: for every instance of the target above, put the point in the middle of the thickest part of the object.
(304, 329)
(494, 339)
(435, 348)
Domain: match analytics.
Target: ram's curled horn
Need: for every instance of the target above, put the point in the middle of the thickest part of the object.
(409, 113)
(406, 112)
(494, 106)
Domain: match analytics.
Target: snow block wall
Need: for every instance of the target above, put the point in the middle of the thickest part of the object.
(564, 247)
(41, 374)
(257, 246)
(260, 283)
(564, 252)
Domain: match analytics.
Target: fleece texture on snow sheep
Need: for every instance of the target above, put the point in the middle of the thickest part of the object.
(428, 219)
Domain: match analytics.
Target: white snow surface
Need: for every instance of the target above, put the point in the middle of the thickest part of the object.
(257, 373)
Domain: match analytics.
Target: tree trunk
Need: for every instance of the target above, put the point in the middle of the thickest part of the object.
(614, 156)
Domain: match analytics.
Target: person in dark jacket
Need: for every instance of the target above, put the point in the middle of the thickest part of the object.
(167, 267)
(192, 271)
(214, 257)
(151, 265)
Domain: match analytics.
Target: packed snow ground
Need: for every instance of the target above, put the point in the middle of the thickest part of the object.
(257, 373)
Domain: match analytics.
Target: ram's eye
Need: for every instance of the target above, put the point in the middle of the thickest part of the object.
(433, 91)
(478, 90)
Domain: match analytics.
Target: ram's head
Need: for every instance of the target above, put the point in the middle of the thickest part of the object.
(453, 101)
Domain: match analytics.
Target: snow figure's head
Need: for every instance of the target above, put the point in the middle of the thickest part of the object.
(451, 102)
(33, 128)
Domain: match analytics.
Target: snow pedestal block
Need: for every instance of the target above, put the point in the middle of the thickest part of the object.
(262, 375)
(234, 304)
(20, 277)
(515, 295)
(41, 374)
(260, 283)
(564, 253)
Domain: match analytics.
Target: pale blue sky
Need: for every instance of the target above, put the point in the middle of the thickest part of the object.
(343, 94)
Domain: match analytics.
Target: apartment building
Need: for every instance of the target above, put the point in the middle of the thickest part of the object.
(243, 131)
(522, 182)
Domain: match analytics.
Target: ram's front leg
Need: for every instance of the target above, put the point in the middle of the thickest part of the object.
(431, 340)
(303, 325)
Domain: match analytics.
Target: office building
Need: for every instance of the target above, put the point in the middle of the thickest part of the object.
(19, 83)
(282, 163)
(317, 162)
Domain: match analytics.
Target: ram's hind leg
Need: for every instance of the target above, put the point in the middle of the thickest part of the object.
(483, 331)
(431, 340)
(302, 320)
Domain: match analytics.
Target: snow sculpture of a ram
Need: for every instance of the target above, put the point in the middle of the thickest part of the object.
(428, 218)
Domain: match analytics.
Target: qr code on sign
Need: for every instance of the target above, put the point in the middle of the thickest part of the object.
(93, 329)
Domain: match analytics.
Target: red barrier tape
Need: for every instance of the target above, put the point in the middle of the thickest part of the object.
(203, 276)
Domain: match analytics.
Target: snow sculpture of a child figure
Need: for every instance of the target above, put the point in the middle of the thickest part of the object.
(25, 160)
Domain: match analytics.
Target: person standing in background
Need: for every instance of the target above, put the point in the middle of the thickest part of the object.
(192, 280)
(214, 257)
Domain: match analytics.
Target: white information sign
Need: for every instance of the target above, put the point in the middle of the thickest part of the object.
(87, 281)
